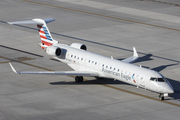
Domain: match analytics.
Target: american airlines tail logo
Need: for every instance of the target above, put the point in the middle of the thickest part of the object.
(48, 37)
(44, 34)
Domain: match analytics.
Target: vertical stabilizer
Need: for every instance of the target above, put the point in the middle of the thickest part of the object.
(45, 35)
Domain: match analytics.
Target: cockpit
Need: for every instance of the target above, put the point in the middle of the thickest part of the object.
(158, 79)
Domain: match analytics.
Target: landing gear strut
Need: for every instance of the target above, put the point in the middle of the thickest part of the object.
(79, 79)
(161, 96)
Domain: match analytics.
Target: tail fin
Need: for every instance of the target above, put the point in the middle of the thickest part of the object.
(46, 38)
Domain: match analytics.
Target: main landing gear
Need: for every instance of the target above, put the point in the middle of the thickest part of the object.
(79, 79)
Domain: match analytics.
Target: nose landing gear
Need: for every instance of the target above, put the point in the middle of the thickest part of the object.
(162, 95)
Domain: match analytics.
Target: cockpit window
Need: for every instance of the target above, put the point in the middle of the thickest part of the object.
(161, 80)
(154, 79)
(158, 79)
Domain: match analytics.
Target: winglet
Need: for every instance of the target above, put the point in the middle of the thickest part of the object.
(12, 68)
(133, 58)
(135, 52)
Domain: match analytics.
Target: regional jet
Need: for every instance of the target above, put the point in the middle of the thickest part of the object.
(85, 63)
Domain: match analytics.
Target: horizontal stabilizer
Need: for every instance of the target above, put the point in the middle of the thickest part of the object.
(133, 58)
(73, 73)
(33, 21)
(45, 35)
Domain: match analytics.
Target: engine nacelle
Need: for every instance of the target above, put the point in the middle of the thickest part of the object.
(79, 46)
(54, 51)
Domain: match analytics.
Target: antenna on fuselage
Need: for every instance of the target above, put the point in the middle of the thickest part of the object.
(140, 66)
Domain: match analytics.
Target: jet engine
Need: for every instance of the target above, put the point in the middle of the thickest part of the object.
(54, 51)
(79, 46)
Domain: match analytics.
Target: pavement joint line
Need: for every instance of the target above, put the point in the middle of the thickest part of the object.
(15, 60)
(21, 61)
(117, 18)
(162, 2)
(5, 62)
(19, 50)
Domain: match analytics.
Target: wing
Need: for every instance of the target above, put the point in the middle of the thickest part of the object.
(73, 73)
(133, 58)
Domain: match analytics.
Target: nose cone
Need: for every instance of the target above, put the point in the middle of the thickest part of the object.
(165, 87)
(168, 88)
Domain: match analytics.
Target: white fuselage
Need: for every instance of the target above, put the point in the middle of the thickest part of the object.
(86, 63)
(81, 60)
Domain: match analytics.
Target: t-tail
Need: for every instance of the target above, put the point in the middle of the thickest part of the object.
(45, 35)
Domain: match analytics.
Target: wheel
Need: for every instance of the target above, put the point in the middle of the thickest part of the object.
(161, 97)
(79, 79)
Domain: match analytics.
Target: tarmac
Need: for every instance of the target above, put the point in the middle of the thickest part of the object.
(107, 27)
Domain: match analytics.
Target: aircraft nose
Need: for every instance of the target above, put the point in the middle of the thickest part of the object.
(166, 88)
(169, 89)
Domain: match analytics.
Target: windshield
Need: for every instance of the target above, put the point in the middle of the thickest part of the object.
(158, 79)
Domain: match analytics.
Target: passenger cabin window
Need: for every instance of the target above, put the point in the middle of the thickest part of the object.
(157, 79)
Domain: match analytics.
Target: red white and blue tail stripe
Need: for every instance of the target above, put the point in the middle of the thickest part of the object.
(46, 38)
(45, 35)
